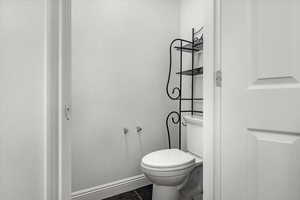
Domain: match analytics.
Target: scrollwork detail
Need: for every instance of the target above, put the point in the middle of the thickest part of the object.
(176, 118)
(175, 90)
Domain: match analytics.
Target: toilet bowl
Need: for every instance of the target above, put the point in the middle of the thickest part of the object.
(171, 169)
(168, 170)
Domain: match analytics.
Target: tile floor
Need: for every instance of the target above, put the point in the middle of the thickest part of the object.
(144, 193)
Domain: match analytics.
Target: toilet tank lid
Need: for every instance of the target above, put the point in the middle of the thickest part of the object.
(196, 120)
(168, 158)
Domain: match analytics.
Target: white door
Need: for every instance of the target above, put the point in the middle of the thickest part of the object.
(260, 56)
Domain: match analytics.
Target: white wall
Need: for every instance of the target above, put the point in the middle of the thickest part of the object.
(120, 66)
(22, 86)
(193, 13)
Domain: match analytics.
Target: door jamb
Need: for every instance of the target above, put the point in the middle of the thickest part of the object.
(57, 151)
(212, 185)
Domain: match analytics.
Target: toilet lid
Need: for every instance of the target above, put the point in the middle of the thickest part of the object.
(168, 158)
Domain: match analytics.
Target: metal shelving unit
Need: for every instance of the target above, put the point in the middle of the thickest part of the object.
(184, 46)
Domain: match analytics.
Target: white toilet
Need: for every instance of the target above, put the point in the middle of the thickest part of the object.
(170, 169)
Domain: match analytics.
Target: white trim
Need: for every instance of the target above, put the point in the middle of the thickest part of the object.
(51, 57)
(111, 189)
(57, 167)
(211, 168)
(64, 91)
(47, 125)
(218, 103)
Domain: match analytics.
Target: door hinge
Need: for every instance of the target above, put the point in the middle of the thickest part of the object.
(219, 78)
(67, 112)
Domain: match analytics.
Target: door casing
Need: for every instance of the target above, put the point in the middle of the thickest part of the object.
(57, 157)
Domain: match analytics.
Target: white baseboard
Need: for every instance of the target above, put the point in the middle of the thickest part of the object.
(111, 189)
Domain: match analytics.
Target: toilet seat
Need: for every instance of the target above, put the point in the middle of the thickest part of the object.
(168, 160)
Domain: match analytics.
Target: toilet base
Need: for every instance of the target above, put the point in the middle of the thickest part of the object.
(165, 193)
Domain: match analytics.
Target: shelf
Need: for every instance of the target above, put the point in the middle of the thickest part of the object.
(198, 46)
(194, 111)
(187, 49)
(190, 72)
(189, 99)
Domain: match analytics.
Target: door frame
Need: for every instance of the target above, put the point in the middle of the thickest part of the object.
(58, 129)
(212, 183)
(57, 142)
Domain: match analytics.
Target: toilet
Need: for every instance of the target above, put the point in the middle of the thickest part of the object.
(171, 170)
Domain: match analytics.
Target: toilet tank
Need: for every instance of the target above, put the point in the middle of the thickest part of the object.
(194, 134)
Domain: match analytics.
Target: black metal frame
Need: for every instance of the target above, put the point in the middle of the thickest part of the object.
(176, 94)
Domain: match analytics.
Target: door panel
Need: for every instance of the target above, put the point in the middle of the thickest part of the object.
(260, 99)
(274, 41)
(273, 163)
(275, 38)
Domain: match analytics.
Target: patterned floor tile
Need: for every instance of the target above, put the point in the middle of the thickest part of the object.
(145, 192)
(125, 196)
